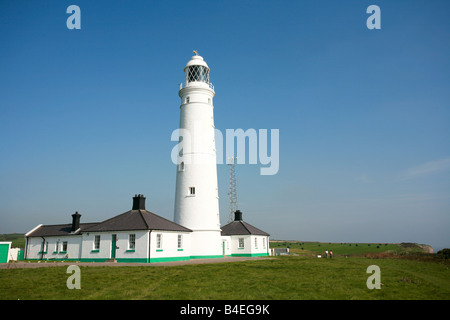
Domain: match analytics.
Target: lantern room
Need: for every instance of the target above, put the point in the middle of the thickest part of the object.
(196, 71)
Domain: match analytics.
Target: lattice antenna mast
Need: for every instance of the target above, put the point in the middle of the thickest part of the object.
(232, 193)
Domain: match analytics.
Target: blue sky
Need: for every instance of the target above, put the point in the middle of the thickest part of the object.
(86, 115)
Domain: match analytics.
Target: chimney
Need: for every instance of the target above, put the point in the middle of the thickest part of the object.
(75, 221)
(138, 202)
(237, 215)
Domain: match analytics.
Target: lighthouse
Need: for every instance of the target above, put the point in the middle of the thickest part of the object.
(139, 235)
(196, 196)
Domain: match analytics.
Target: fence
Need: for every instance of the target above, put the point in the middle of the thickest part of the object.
(279, 251)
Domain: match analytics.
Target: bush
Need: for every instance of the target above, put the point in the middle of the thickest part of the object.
(444, 253)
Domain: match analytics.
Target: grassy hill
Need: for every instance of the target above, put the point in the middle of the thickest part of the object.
(349, 249)
(17, 239)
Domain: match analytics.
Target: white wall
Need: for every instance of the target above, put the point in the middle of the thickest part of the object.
(81, 247)
(88, 249)
(123, 250)
(236, 249)
(169, 246)
(13, 253)
(250, 247)
(262, 244)
(226, 243)
(122, 245)
(206, 244)
(199, 211)
(34, 247)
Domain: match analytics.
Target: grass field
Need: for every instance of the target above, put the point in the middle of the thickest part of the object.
(406, 274)
(278, 278)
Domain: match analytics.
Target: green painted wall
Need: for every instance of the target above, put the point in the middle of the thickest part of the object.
(249, 254)
(164, 259)
(4, 251)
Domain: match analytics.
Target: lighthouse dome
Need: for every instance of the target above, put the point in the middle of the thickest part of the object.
(196, 61)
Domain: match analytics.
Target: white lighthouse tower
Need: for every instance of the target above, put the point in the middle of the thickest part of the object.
(196, 197)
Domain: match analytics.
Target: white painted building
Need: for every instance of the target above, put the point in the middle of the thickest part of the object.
(139, 235)
(240, 238)
(196, 197)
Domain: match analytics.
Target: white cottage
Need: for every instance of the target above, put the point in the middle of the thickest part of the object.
(137, 235)
(240, 238)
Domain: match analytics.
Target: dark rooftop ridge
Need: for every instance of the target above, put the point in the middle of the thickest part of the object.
(240, 227)
(136, 219)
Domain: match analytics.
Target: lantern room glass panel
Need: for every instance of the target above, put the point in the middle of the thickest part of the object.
(197, 74)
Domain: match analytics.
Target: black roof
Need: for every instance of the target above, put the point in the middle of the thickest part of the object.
(241, 227)
(136, 220)
(58, 230)
(130, 220)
